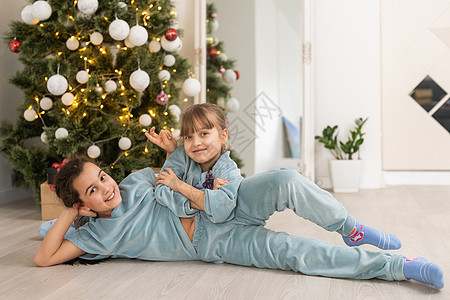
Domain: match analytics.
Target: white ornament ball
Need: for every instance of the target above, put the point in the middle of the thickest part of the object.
(169, 60)
(57, 85)
(41, 10)
(154, 46)
(179, 46)
(110, 86)
(27, 15)
(72, 43)
(87, 7)
(232, 105)
(124, 143)
(145, 120)
(191, 87)
(30, 115)
(119, 30)
(176, 134)
(175, 110)
(96, 38)
(164, 75)
(229, 76)
(44, 137)
(82, 76)
(223, 56)
(138, 35)
(67, 99)
(139, 80)
(221, 102)
(46, 103)
(122, 5)
(170, 46)
(129, 44)
(61, 133)
(93, 151)
(214, 25)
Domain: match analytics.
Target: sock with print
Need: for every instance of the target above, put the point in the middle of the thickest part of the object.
(45, 228)
(422, 270)
(363, 234)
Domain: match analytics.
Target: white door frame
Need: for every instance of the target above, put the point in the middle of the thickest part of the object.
(307, 131)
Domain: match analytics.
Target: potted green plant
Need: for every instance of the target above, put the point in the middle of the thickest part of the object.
(345, 168)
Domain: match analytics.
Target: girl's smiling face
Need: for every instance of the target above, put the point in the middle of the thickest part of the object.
(97, 190)
(204, 146)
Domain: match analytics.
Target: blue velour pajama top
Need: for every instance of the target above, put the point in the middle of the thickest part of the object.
(146, 224)
(219, 204)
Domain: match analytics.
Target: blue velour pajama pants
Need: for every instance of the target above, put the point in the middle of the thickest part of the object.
(245, 241)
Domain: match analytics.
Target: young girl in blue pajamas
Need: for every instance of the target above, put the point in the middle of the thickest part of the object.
(165, 218)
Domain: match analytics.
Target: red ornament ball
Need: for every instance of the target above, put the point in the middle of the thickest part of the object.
(171, 34)
(213, 15)
(237, 74)
(212, 52)
(14, 46)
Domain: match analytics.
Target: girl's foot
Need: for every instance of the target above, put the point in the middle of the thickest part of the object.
(422, 270)
(45, 228)
(362, 234)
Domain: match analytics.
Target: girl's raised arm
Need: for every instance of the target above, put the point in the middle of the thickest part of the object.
(164, 140)
(54, 249)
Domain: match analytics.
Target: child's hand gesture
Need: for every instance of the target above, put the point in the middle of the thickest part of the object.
(163, 140)
(170, 179)
(81, 210)
(218, 183)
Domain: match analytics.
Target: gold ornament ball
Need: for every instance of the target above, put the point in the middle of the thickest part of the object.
(173, 13)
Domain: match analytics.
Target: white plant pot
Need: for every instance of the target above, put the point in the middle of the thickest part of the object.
(345, 175)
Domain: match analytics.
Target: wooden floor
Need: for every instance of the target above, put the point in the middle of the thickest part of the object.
(419, 216)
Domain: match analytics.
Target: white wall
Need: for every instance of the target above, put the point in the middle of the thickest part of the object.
(346, 53)
(10, 96)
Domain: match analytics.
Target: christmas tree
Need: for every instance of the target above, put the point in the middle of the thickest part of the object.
(97, 74)
(220, 72)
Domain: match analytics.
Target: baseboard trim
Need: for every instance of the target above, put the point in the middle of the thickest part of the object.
(14, 194)
(416, 177)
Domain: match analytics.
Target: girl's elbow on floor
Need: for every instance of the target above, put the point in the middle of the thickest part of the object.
(38, 261)
(41, 261)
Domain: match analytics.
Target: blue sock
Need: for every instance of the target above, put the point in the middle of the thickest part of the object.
(45, 227)
(422, 270)
(363, 234)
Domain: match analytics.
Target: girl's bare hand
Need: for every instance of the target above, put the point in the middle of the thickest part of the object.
(163, 140)
(170, 179)
(81, 210)
(219, 182)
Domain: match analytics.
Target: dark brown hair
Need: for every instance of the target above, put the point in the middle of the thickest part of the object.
(66, 176)
(202, 116)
